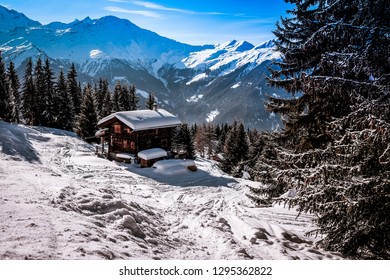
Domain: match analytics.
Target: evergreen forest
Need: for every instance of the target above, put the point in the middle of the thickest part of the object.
(331, 157)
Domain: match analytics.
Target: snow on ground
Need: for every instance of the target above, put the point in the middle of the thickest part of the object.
(59, 201)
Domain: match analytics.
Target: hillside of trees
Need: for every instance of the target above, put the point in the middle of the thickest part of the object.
(40, 99)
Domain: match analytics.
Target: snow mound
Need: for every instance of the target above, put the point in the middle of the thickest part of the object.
(174, 167)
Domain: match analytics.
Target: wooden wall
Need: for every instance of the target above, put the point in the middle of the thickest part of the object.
(123, 139)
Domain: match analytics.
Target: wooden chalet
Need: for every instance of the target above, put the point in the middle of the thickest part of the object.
(127, 133)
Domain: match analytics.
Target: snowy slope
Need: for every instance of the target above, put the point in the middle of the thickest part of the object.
(226, 58)
(59, 201)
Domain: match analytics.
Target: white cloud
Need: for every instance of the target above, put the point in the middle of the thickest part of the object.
(119, 1)
(135, 12)
(154, 6)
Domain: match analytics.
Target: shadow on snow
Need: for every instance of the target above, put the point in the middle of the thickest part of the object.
(188, 179)
(15, 141)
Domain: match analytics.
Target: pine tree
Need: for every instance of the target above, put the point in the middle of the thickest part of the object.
(107, 104)
(124, 99)
(65, 116)
(150, 101)
(50, 107)
(39, 105)
(14, 87)
(5, 110)
(334, 149)
(221, 134)
(86, 121)
(28, 94)
(133, 98)
(183, 139)
(99, 96)
(115, 97)
(74, 90)
(235, 149)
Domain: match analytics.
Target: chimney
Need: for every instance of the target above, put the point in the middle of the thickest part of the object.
(155, 106)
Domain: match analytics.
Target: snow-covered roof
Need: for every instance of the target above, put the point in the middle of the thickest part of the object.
(152, 154)
(144, 119)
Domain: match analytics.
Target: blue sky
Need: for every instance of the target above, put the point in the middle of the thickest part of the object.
(194, 22)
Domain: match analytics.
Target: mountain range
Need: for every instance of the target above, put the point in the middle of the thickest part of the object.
(210, 83)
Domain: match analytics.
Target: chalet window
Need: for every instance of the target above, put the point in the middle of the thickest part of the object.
(149, 144)
(164, 143)
(126, 144)
(128, 130)
(132, 145)
(117, 128)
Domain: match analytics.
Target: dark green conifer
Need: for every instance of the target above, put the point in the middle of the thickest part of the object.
(150, 101)
(85, 125)
(65, 116)
(5, 110)
(28, 92)
(332, 157)
(14, 87)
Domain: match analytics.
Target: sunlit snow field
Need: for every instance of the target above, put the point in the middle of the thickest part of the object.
(59, 201)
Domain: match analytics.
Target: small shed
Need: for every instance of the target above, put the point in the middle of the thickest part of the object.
(149, 157)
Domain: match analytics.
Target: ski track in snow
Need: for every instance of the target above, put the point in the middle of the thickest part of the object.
(65, 203)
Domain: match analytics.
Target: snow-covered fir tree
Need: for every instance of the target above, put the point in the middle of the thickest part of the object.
(333, 155)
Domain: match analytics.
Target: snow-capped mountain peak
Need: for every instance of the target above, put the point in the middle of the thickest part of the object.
(227, 57)
(114, 48)
(11, 19)
(234, 45)
(266, 45)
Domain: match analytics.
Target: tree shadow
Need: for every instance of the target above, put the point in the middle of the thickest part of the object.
(15, 141)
